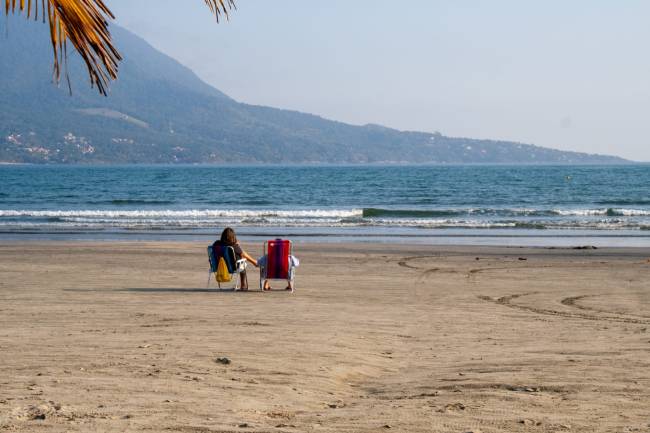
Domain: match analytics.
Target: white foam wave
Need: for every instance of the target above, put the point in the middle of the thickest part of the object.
(607, 211)
(348, 218)
(191, 224)
(192, 213)
(631, 212)
(239, 214)
(580, 212)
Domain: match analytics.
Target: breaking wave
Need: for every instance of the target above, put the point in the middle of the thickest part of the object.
(190, 213)
(471, 218)
(502, 212)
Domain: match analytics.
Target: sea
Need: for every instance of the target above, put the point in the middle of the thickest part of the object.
(569, 206)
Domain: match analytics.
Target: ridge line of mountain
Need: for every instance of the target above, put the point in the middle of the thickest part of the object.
(159, 111)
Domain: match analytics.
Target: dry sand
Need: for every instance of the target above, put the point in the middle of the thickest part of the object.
(124, 337)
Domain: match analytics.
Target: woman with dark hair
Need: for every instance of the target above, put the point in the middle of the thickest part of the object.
(229, 239)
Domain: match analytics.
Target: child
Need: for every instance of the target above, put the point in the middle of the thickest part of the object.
(293, 263)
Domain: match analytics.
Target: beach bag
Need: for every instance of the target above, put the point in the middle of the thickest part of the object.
(223, 273)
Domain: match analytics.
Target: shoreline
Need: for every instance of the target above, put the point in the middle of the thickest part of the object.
(308, 243)
(485, 238)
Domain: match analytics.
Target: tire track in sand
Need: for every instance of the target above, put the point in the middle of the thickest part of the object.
(572, 302)
(506, 301)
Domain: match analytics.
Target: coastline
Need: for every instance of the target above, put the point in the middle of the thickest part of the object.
(123, 336)
(392, 236)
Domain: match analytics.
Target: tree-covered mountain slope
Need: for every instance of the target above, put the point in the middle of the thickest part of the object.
(159, 111)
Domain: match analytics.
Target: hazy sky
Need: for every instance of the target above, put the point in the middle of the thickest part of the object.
(572, 75)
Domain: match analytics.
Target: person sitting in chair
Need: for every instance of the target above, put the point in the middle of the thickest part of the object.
(229, 239)
(293, 263)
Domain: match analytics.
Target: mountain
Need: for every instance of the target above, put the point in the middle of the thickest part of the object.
(159, 111)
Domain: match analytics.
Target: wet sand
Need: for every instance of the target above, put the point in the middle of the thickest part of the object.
(124, 337)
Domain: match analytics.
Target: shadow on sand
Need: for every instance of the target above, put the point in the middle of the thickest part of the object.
(174, 290)
(178, 290)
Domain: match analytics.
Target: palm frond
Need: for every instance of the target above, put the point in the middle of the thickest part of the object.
(84, 24)
(220, 7)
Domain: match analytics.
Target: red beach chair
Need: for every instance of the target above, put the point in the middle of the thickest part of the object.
(278, 262)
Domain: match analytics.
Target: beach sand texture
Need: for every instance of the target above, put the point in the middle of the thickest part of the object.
(123, 337)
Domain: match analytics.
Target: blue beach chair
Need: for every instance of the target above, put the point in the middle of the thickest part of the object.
(224, 256)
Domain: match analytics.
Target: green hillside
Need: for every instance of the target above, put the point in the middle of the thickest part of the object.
(160, 112)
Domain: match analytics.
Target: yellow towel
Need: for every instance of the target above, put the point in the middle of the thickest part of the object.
(222, 274)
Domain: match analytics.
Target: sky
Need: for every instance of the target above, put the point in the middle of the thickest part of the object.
(571, 75)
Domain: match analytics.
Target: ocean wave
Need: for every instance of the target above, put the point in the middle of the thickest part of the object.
(191, 213)
(359, 214)
(129, 202)
(443, 223)
(473, 218)
(628, 212)
(625, 202)
(441, 213)
(499, 212)
(603, 212)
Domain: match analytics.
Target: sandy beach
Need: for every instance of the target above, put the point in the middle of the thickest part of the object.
(117, 337)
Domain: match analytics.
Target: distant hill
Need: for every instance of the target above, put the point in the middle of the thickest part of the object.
(160, 112)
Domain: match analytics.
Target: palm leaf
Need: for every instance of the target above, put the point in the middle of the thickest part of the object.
(82, 22)
(85, 24)
(219, 7)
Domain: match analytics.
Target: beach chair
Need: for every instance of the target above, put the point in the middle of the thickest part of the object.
(220, 255)
(278, 262)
